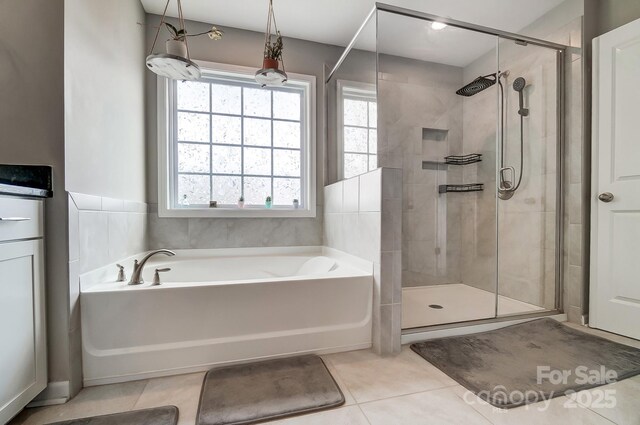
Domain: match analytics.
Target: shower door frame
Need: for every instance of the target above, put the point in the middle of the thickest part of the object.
(561, 53)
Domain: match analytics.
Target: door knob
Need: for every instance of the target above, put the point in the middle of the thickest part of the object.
(606, 197)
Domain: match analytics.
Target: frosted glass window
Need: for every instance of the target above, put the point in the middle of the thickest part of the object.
(373, 114)
(355, 164)
(194, 189)
(359, 138)
(226, 160)
(226, 99)
(193, 158)
(226, 129)
(257, 102)
(226, 189)
(285, 191)
(286, 162)
(256, 190)
(373, 141)
(257, 161)
(286, 134)
(193, 96)
(193, 127)
(286, 105)
(355, 112)
(373, 162)
(257, 132)
(233, 138)
(356, 139)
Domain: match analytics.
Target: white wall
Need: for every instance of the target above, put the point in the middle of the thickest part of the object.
(104, 98)
(32, 132)
(104, 117)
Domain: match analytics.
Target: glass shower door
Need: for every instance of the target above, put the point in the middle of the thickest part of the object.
(437, 103)
(528, 184)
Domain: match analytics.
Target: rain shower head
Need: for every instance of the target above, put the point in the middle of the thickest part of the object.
(477, 85)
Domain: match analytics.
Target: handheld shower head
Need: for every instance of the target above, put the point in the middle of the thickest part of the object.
(519, 85)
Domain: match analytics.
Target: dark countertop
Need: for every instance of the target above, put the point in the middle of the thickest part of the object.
(26, 180)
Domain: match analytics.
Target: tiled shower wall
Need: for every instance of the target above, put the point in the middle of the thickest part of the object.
(420, 119)
(362, 218)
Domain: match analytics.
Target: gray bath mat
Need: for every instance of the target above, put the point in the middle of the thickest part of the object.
(273, 389)
(166, 415)
(502, 366)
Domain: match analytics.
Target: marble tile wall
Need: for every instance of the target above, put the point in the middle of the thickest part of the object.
(363, 217)
(420, 119)
(185, 233)
(101, 231)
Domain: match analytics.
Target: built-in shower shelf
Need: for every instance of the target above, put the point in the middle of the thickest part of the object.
(463, 159)
(473, 187)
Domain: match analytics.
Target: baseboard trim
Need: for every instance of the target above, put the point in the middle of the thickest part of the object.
(56, 393)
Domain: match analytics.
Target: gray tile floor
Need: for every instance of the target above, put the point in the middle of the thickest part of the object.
(403, 389)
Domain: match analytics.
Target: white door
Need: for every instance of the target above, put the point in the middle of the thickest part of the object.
(615, 205)
(23, 368)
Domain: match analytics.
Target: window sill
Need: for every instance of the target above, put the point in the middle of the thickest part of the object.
(237, 212)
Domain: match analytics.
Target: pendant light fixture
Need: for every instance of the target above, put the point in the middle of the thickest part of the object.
(176, 63)
(271, 74)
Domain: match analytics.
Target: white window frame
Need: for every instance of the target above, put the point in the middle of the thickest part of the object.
(368, 92)
(166, 163)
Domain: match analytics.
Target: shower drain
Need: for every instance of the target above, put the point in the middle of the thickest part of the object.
(436, 306)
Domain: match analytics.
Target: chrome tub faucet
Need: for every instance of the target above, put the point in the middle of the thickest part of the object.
(138, 267)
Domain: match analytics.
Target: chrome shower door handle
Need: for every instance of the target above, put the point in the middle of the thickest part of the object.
(503, 179)
(606, 197)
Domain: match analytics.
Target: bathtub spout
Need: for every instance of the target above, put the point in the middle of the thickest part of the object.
(136, 276)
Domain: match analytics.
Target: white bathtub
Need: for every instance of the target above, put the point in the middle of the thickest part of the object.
(223, 306)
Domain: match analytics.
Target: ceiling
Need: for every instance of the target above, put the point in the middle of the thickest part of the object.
(336, 21)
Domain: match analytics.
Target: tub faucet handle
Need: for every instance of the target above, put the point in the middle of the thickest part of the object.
(121, 275)
(156, 275)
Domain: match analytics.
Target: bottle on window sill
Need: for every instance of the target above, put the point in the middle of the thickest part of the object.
(241, 202)
(268, 202)
(213, 204)
(185, 201)
(296, 204)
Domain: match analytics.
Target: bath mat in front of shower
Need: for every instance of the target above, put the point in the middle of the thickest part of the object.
(267, 390)
(530, 362)
(166, 415)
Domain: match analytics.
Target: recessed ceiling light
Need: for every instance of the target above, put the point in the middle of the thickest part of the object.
(438, 25)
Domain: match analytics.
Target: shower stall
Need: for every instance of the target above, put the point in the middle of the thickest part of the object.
(474, 119)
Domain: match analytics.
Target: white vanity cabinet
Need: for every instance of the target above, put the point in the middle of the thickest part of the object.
(23, 361)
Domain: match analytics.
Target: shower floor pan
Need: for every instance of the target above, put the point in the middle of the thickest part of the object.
(441, 304)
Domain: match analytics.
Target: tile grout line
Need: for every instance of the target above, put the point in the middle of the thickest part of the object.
(366, 418)
(146, 384)
(474, 409)
(589, 408)
(407, 394)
